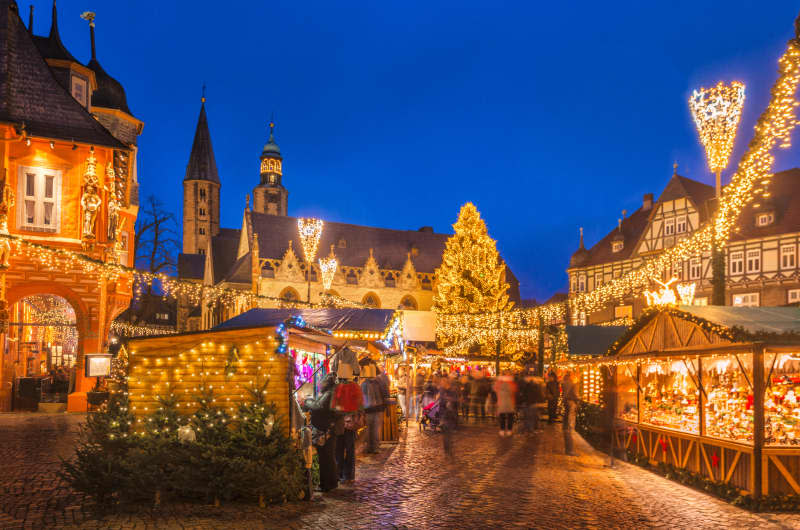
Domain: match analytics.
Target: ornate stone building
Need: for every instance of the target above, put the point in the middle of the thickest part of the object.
(378, 267)
(761, 256)
(68, 182)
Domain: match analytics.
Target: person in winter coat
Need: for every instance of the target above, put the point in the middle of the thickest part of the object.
(323, 421)
(403, 392)
(349, 401)
(570, 398)
(448, 410)
(478, 390)
(419, 388)
(552, 392)
(374, 404)
(506, 390)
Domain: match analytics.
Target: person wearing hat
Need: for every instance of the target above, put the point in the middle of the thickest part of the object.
(323, 420)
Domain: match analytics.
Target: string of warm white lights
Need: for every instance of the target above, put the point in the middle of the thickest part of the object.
(716, 113)
(125, 329)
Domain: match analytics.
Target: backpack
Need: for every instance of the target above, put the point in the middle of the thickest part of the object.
(346, 397)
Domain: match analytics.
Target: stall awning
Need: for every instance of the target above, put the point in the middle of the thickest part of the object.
(349, 319)
(751, 319)
(592, 340)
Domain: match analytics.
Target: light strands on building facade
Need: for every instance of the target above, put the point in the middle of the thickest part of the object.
(310, 231)
(716, 112)
(327, 268)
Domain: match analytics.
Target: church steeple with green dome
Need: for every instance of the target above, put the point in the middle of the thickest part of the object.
(270, 196)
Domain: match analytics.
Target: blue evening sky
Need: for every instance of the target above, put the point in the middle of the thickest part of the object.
(547, 115)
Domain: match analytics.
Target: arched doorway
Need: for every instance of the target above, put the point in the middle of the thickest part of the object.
(289, 294)
(42, 350)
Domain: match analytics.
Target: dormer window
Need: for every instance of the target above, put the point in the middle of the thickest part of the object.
(616, 246)
(79, 89)
(342, 243)
(765, 219)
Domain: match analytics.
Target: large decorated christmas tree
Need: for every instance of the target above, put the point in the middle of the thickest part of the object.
(470, 281)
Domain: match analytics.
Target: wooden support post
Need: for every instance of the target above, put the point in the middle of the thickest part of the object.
(758, 420)
(701, 412)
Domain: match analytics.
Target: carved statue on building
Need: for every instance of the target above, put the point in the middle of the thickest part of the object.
(114, 203)
(6, 203)
(90, 202)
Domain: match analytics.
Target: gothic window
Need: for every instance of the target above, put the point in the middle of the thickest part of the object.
(426, 284)
(289, 295)
(409, 303)
(264, 166)
(352, 277)
(40, 205)
(371, 300)
(788, 256)
(201, 231)
(390, 281)
(202, 194)
(201, 212)
(737, 262)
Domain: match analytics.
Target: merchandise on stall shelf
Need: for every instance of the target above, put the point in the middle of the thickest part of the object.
(729, 401)
(347, 397)
(348, 357)
(781, 407)
(669, 396)
(627, 404)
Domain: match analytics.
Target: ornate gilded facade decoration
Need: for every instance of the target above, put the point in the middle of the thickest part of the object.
(6, 203)
(114, 203)
(289, 268)
(371, 277)
(408, 276)
(90, 202)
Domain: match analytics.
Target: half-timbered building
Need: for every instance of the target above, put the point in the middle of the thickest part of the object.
(761, 256)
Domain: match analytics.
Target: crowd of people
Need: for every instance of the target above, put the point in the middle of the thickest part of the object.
(510, 398)
(355, 395)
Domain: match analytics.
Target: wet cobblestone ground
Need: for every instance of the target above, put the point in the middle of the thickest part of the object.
(524, 481)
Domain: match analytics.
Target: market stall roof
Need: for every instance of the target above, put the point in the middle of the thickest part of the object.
(751, 319)
(592, 340)
(349, 319)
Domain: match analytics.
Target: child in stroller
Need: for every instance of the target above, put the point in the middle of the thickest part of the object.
(431, 417)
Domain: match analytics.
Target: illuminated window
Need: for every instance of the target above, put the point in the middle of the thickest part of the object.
(39, 208)
(765, 219)
(746, 300)
(754, 261)
(371, 300)
(793, 296)
(623, 311)
(669, 227)
(680, 224)
(123, 255)
(616, 246)
(598, 280)
(703, 300)
(695, 268)
(788, 256)
(737, 262)
(581, 283)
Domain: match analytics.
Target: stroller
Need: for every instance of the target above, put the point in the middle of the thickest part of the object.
(430, 422)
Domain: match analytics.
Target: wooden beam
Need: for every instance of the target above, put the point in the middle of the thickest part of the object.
(672, 450)
(702, 449)
(785, 472)
(733, 466)
(671, 320)
(687, 454)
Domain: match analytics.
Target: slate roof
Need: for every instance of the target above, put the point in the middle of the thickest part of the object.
(146, 311)
(592, 340)
(202, 164)
(30, 94)
(109, 93)
(349, 319)
(223, 252)
(191, 266)
(51, 46)
(784, 200)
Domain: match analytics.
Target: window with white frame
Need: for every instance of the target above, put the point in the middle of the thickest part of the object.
(703, 300)
(677, 270)
(79, 89)
(754, 260)
(581, 283)
(793, 296)
(765, 219)
(598, 279)
(669, 227)
(695, 268)
(680, 224)
(746, 300)
(573, 283)
(39, 199)
(617, 245)
(788, 256)
(123, 254)
(737, 262)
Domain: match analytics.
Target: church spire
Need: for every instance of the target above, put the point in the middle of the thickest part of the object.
(202, 164)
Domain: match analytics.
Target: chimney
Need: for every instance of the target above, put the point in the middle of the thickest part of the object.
(647, 201)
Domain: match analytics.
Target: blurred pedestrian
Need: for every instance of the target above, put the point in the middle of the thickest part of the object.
(570, 399)
(552, 392)
(403, 391)
(419, 388)
(323, 420)
(374, 405)
(464, 398)
(448, 412)
(506, 390)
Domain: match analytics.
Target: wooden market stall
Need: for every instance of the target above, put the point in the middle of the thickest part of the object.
(227, 362)
(714, 390)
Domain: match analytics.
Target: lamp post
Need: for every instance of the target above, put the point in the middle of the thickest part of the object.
(310, 231)
(716, 112)
(327, 269)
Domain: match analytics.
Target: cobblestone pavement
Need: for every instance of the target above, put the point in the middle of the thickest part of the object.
(492, 482)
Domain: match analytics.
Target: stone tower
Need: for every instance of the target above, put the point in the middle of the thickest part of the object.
(200, 191)
(270, 196)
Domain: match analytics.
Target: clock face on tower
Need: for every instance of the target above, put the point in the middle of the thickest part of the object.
(272, 179)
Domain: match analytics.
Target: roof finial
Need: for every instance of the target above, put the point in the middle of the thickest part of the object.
(619, 224)
(675, 169)
(203, 98)
(272, 128)
(30, 20)
(580, 245)
(88, 15)
(54, 23)
(247, 202)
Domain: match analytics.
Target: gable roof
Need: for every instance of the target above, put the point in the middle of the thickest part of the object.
(349, 319)
(202, 164)
(191, 266)
(753, 320)
(784, 201)
(30, 94)
(223, 253)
